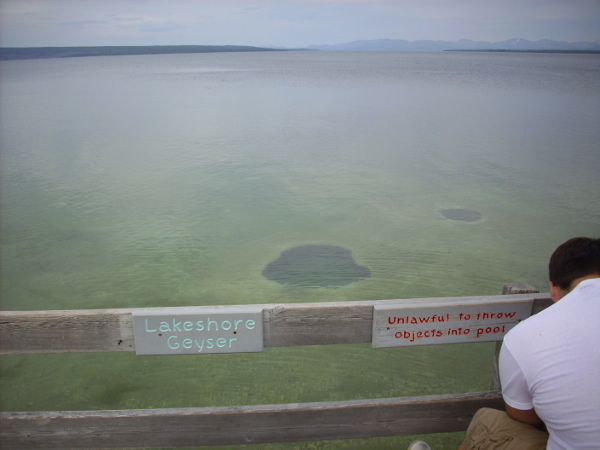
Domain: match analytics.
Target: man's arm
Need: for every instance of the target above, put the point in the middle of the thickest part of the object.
(514, 387)
(528, 416)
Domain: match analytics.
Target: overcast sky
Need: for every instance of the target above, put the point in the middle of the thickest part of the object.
(290, 23)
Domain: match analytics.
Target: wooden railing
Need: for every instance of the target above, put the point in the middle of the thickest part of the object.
(112, 330)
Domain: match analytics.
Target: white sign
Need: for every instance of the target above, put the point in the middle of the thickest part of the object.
(398, 325)
(198, 330)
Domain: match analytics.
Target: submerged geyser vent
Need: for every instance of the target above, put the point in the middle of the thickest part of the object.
(315, 266)
(465, 215)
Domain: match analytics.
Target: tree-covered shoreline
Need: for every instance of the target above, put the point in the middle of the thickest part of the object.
(12, 53)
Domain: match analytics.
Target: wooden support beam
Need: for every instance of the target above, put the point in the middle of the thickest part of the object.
(243, 424)
(111, 330)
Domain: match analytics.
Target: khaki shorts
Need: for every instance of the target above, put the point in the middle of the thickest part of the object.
(492, 429)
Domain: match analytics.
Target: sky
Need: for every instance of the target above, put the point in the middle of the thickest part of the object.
(290, 23)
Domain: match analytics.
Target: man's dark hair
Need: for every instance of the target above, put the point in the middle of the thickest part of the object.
(576, 258)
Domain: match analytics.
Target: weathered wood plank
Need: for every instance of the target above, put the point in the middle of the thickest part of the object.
(66, 331)
(243, 424)
(111, 330)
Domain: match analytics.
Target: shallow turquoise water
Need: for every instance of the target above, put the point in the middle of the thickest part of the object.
(174, 180)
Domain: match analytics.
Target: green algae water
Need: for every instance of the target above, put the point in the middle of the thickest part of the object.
(176, 180)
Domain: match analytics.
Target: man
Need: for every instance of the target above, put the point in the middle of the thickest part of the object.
(550, 365)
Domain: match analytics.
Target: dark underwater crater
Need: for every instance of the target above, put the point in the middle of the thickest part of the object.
(465, 215)
(315, 266)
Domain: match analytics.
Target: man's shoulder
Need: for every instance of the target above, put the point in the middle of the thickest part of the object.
(529, 326)
(569, 310)
(536, 324)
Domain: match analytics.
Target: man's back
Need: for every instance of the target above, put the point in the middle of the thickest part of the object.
(551, 362)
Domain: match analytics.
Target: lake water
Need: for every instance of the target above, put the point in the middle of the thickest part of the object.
(175, 180)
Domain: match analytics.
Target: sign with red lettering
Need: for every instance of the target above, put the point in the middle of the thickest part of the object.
(176, 331)
(405, 324)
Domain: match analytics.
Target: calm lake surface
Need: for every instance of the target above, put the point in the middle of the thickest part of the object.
(175, 180)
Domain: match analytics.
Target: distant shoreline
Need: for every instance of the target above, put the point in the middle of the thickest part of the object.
(24, 53)
(20, 53)
(525, 51)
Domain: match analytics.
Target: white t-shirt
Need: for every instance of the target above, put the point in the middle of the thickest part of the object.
(551, 362)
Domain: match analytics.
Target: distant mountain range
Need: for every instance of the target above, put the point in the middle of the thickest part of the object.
(516, 44)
